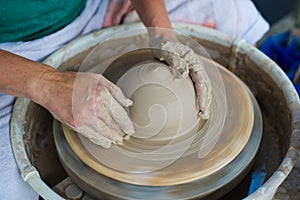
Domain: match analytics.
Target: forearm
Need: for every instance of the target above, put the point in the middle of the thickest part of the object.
(24, 78)
(153, 13)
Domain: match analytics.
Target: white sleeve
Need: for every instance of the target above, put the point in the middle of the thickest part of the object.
(237, 18)
(240, 19)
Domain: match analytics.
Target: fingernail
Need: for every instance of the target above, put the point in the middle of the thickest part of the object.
(130, 130)
(129, 103)
(119, 139)
(127, 137)
(203, 115)
(200, 113)
(107, 145)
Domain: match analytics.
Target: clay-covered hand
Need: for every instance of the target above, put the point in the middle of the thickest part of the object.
(183, 61)
(92, 106)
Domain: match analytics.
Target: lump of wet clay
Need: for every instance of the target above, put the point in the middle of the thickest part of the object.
(163, 107)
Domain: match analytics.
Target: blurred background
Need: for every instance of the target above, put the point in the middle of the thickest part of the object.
(282, 42)
(274, 10)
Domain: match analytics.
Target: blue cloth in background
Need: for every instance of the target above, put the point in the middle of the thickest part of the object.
(284, 49)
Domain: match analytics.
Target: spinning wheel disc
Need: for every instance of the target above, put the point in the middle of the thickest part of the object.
(232, 138)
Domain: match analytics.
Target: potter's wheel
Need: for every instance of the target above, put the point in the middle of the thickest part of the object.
(231, 154)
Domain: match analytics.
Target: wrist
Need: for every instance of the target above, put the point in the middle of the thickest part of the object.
(41, 83)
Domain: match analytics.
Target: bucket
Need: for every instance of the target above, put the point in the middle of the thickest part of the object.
(31, 125)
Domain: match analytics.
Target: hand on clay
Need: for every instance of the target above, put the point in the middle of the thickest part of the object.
(183, 61)
(92, 106)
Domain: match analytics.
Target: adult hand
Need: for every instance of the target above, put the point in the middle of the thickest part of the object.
(91, 105)
(183, 61)
(86, 102)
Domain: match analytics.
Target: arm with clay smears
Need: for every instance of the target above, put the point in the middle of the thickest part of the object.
(97, 100)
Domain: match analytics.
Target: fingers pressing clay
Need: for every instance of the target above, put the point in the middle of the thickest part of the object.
(120, 97)
(116, 92)
(101, 141)
(173, 55)
(183, 61)
(203, 92)
(109, 132)
(104, 115)
(94, 137)
(118, 113)
(109, 121)
(101, 117)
